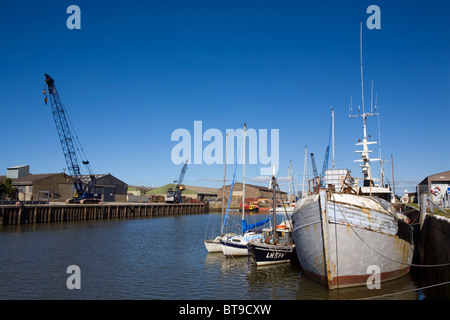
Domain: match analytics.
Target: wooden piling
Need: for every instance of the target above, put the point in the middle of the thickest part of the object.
(61, 212)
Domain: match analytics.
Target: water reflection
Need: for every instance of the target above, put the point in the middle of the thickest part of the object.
(287, 282)
(161, 258)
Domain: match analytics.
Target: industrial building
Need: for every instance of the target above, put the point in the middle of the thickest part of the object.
(190, 192)
(253, 192)
(109, 187)
(39, 187)
(438, 185)
(57, 187)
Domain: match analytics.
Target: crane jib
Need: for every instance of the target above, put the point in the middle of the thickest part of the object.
(67, 139)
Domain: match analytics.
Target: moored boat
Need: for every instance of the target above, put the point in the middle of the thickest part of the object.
(213, 245)
(276, 244)
(347, 234)
(265, 251)
(343, 238)
(237, 245)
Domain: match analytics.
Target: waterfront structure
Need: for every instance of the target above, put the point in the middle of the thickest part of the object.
(57, 187)
(110, 188)
(190, 192)
(438, 185)
(63, 212)
(47, 187)
(254, 192)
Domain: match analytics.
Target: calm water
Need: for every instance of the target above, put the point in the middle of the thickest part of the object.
(157, 258)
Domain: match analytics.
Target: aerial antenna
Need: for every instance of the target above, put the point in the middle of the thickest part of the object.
(379, 144)
(350, 107)
(371, 99)
(365, 152)
(362, 81)
(376, 97)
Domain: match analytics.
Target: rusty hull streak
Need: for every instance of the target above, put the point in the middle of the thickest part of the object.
(333, 280)
(323, 206)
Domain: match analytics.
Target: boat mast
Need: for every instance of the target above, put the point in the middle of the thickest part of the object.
(224, 179)
(274, 204)
(365, 154)
(379, 145)
(332, 135)
(291, 180)
(305, 171)
(362, 79)
(366, 170)
(243, 179)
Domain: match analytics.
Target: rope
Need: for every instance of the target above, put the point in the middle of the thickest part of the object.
(407, 264)
(411, 290)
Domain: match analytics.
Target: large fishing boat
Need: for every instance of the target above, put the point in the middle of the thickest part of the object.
(346, 231)
(343, 239)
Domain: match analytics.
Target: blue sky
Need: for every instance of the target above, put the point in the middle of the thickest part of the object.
(138, 70)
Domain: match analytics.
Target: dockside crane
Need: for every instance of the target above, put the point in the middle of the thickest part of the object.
(82, 190)
(314, 165)
(175, 195)
(324, 167)
(325, 163)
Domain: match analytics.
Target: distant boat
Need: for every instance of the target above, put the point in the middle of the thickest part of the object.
(251, 207)
(276, 245)
(284, 209)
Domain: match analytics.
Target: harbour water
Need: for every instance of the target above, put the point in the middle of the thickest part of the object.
(159, 258)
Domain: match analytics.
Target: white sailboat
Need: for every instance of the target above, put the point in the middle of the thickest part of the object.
(213, 245)
(237, 245)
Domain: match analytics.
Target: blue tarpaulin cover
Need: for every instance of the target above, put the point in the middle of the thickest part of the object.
(246, 227)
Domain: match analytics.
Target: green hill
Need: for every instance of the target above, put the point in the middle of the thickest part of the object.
(163, 189)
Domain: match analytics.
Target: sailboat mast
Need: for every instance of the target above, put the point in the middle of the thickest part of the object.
(291, 182)
(224, 179)
(243, 179)
(274, 204)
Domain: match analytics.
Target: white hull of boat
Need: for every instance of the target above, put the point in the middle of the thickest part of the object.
(344, 239)
(213, 245)
(237, 245)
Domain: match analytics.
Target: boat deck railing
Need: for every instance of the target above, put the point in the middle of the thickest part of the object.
(347, 184)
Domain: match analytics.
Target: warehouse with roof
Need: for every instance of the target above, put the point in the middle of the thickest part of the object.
(57, 187)
(253, 192)
(438, 185)
(190, 192)
(39, 187)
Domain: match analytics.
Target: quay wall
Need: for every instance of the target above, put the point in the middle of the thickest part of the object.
(431, 260)
(45, 213)
(433, 245)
